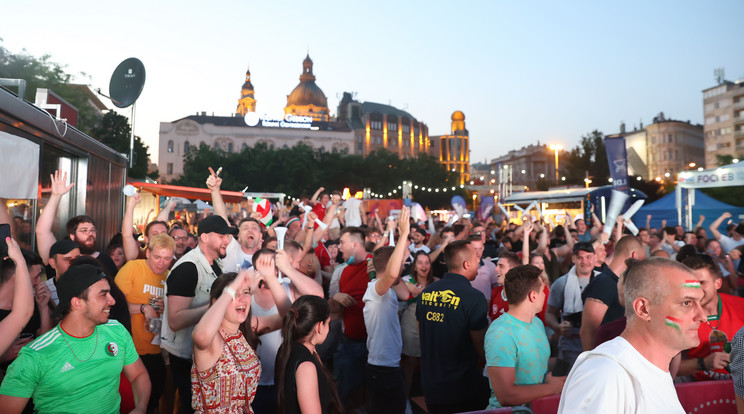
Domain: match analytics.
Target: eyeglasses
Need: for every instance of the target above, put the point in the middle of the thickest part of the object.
(180, 238)
(91, 230)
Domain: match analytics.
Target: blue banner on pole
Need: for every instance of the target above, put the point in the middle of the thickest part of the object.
(617, 158)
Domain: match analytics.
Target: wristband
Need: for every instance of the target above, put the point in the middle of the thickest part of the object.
(701, 364)
(142, 308)
(230, 291)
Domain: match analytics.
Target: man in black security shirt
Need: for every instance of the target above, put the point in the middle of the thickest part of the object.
(452, 324)
(601, 298)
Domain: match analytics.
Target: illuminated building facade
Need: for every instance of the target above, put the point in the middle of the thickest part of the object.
(723, 109)
(307, 99)
(247, 101)
(453, 150)
(378, 126)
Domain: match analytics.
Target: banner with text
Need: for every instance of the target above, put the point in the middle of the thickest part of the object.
(617, 157)
(728, 176)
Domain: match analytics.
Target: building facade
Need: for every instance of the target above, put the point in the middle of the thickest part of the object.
(723, 109)
(307, 99)
(247, 101)
(528, 165)
(453, 150)
(666, 146)
(378, 126)
(232, 134)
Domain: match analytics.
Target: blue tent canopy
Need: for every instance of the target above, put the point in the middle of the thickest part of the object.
(665, 209)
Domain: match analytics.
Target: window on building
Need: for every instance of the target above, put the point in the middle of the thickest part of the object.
(243, 147)
(216, 146)
(185, 147)
(169, 168)
(202, 143)
(230, 147)
(170, 146)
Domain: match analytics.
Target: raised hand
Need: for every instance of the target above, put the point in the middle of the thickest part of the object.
(59, 188)
(213, 181)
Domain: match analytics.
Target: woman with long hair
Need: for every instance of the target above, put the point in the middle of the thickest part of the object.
(421, 276)
(226, 369)
(303, 383)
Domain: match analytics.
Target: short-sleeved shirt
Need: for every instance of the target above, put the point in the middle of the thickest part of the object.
(50, 370)
(512, 343)
(731, 319)
(236, 257)
(728, 243)
(384, 338)
(139, 284)
(486, 278)
(447, 311)
(603, 287)
(737, 362)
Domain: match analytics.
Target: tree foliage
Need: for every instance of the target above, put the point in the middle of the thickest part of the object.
(44, 73)
(114, 131)
(588, 157)
(300, 170)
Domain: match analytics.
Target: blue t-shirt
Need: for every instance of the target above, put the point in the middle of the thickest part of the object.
(515, 344)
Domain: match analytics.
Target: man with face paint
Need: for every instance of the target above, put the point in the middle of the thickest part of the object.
(630, 374)
(346, 290)
(725, 315)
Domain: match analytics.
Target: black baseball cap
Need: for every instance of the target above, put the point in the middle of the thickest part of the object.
(583, 247)
(62, 247)
(73, 282)
(216, 224)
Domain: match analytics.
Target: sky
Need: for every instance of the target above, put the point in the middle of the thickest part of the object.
(522, 72)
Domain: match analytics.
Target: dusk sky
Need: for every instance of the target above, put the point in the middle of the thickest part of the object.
(521, 72)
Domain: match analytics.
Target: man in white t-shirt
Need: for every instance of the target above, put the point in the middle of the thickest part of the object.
(384, 341)
(727, 243)
(353, 211)
(630, 374)
(418, 237)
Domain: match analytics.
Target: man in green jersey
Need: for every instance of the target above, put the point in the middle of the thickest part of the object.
(76, 367)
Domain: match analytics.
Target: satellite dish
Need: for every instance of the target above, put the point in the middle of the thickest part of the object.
(127, 82)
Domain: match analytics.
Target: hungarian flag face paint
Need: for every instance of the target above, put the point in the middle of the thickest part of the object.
(691, 284)
(673, 322)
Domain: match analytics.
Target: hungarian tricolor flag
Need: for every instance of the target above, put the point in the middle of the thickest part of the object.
(263, 206)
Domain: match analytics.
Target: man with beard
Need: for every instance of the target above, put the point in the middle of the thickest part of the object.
(76, 366)
(187, 298)
(80, 229)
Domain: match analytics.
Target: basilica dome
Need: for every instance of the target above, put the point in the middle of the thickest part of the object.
(307, 98)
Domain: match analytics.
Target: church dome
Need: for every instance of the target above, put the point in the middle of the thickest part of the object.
(458, 116)
(247, 88)
(307, 92)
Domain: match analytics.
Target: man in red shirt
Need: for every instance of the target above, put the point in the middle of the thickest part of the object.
(347, 287)
(498, 304)
(709, 361)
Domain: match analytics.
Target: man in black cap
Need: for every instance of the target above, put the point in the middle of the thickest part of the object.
(187, 298)
(76, 366)
(61, 255)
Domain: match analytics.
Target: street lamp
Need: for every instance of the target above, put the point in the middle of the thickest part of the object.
(556, 148)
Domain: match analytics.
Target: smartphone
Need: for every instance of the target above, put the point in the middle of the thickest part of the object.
(4, 233)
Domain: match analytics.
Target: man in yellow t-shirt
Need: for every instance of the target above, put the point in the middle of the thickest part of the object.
(143, 283)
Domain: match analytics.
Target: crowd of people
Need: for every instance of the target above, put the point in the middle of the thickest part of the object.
(331, 308)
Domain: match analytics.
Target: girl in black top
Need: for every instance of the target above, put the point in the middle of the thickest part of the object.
(303, 383)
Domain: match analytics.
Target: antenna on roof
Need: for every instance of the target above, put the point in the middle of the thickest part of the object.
(720, 75)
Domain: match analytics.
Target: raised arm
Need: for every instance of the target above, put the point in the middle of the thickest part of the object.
(314, 198)
(699, 223)
(164, 214)
(129, 244)
(386, 235)
(266, 268)
(598, 225)
(23, 299)
(716, 224)
(44, 236)
(303, 284)
(619, 228)
(213, 184)
(205, 332)
(648, 222)
(392, 271)
(526, 242)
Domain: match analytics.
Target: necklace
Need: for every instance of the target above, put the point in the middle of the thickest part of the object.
(716, 317)
(73, 352)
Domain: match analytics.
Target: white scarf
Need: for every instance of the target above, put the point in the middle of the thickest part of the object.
(572, 293)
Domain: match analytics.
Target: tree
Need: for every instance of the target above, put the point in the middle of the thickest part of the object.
(300, 170)
(114, 131)
(43, 73)
(589, 157)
